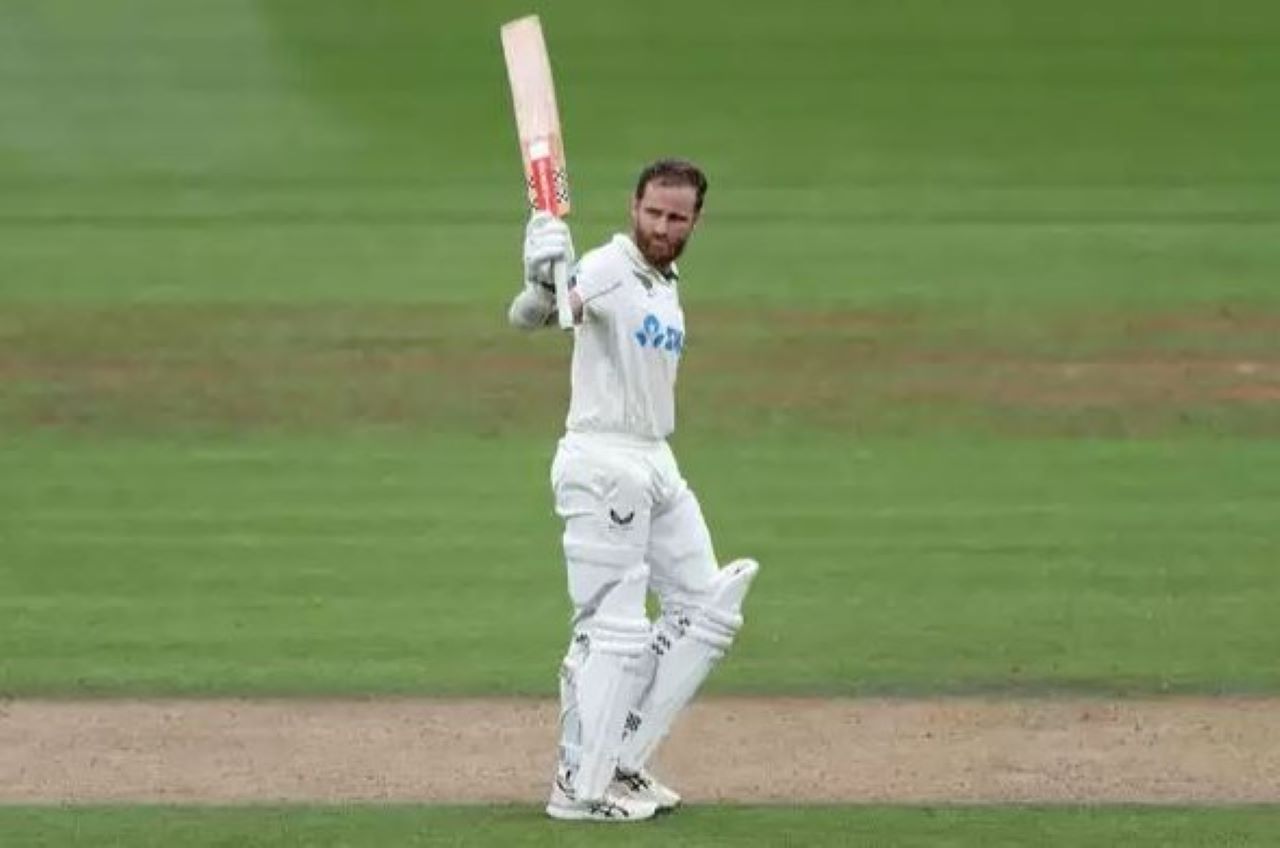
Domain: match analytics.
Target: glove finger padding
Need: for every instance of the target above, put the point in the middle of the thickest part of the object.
(545, 226)
(549, 246)
(539, 219)
(547, 240)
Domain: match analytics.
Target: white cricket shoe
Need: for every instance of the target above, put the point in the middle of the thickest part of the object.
(643, 786)
(613, 807)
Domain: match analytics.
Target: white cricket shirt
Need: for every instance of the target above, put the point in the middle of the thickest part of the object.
(628, 346)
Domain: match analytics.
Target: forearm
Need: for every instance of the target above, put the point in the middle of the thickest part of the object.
(532, 308)
(576, 306)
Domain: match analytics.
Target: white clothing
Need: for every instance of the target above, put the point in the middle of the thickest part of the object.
(631, 523)
(627, 349)
(626, 506)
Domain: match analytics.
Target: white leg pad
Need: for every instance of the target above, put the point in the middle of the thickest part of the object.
(603, 687)
(570, 726)
(685, 656)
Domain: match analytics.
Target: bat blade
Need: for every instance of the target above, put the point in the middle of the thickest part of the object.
(533, 96)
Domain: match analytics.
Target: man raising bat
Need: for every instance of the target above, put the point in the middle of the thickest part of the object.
(631, 523)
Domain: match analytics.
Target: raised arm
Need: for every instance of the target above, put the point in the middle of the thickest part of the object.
(546, 241)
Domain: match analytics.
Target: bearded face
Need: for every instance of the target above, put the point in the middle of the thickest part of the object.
(662, 219)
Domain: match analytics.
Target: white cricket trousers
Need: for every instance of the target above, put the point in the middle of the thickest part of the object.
(626, 508)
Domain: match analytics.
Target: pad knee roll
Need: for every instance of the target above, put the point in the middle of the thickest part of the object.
(624, 637)
(715, 628)
(719, 619)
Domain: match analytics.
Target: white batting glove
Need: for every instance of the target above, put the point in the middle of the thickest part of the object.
(546, 240)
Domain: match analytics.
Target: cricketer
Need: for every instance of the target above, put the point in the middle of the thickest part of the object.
(632, 525)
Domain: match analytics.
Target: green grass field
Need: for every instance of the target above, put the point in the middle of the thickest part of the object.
(313, 566)
(733, 826)
(983, 365)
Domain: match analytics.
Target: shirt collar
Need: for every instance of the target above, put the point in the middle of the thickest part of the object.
(628, 247)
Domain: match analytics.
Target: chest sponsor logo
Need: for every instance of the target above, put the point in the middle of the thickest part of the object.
(653, 334)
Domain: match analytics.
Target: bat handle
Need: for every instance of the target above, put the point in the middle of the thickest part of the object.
(560, 277)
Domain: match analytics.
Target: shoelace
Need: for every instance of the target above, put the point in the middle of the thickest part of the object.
(633, 781)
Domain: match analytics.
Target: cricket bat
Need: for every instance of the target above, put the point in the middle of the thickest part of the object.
(533, 95)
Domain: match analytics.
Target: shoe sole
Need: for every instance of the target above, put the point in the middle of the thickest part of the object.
(578, 814)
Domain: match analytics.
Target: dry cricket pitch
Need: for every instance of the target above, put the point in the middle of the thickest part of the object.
(1171, 750)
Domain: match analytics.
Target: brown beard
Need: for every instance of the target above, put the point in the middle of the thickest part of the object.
(656, 253)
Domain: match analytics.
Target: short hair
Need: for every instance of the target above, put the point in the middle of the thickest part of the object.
(674, 172)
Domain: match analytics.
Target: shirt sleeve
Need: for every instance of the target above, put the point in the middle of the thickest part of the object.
(594, 285)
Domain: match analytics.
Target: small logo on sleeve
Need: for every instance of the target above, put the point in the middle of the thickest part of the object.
(622, 520)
